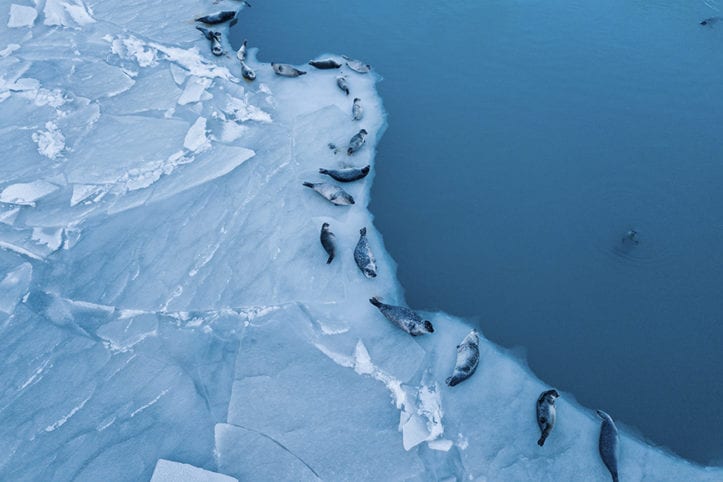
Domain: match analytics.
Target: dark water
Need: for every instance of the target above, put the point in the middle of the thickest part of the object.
(525, 138)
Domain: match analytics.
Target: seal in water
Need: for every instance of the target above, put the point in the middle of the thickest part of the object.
(357, 111)
(467, 359)
(286, 70)
(710, 20)
(404, 318)
(364, 257)
(546, 413)
(327, 241)
(346, 175)
(247, 72)
(341, 83)
(631, 237)
(333, 193)
(241, 54)
(608, 445)
(325, 64)
(356, 142)
(216, 18)
(357, 65)
(215, 38)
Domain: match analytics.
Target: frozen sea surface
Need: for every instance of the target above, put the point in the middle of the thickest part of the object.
(166, 310)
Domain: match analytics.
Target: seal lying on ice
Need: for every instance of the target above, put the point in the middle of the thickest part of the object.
(364, 257)
(467, 359)
(546, 415)
(404, 318)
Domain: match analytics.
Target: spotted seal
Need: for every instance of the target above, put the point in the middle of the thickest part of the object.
(357, 111)
(247, 72)
(608, 445)
(546, 414)
(364, 257)
(241, 53)
(286, 70)
(630, 237)
(342, 84)
(357, 65)
(215, 38)
(346, 175)
(334, 194)
(710, 21)
(357, 141)
(467, 359)
(327, 241)
(404, 318)
(325, 64)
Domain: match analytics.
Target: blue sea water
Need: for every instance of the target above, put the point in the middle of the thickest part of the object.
(525, 139)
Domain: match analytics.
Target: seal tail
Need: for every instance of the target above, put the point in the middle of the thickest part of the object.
(428, 326)
(308, 184)
(541, 442)
(451, 381)
(349, 151)
(375, 301)
(331, 258)
(323, 171)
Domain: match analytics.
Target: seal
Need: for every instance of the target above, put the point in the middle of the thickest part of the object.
(710, 21)
(356, 142)
(467, 359)
(357, 111)
(630, 237)
(404, 318)
(215, 38)
(608, 444)
(325, 64)
(546, 413)
(286, 70)
(241, 54)
(364, 257)
(218, 17)
(327, 241)
(247, 72)
(346, 175)
(341, 83)
(357, 65)
(334, 194)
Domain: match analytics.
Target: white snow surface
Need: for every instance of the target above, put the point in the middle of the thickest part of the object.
(166, 310)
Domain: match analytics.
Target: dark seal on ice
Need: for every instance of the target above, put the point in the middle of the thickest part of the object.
(608, 444)
(356, 142)
(546, 414)
(216, 18)
(325, 64)
(215, 38)
(346, 175)
(327, 241)
(364, 257)
(404, 318)
(467, 359)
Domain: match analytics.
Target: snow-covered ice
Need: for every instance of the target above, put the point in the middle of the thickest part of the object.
(165, 306)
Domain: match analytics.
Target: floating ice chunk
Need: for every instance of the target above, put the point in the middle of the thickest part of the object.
(26, 194)
(81, 192)
(443, 445)
(67, 13)
(51, 237)
(241, 111)
(8, 216)
(196, 139)
(169, 471)
(195, 91)
(14, 286)
(51, 141)
(21, 16)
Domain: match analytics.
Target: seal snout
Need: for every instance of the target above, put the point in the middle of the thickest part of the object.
(428, 326)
